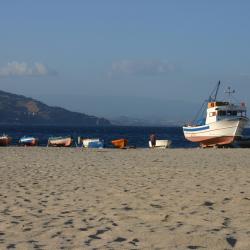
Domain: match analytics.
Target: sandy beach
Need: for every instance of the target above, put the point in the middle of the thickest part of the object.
(58, 198)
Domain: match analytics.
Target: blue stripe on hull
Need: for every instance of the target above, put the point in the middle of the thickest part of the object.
(193, 129)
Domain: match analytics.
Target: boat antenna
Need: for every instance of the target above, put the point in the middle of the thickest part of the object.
(229, 91)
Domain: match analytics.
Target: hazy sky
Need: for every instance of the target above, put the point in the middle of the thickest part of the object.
(166, 50)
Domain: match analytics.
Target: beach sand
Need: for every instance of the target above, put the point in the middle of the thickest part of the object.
(67, 198)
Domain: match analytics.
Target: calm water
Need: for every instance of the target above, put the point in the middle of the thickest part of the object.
(137, 136)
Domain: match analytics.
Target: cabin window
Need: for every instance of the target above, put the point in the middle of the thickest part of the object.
(222, 113)
(231, 113)
(242, 113)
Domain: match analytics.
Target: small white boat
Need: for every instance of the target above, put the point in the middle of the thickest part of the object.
(92, 143)
(160, 144)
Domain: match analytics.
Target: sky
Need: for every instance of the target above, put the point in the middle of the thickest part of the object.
(85, 54)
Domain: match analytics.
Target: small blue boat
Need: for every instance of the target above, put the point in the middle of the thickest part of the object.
(92, 143)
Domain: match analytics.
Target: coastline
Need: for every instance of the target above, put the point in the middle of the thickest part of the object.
(69, 198)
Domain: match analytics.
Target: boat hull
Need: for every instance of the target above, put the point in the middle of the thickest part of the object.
(222, 132)
(92, 143)
(60, 142)
(5, 140)
(120, 143)
(28, 141)
(160, 144)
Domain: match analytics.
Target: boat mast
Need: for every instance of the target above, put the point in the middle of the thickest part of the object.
(212, 98)
(217, 90)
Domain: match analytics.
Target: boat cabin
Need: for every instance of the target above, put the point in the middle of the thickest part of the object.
(216, 104)
(221, 110)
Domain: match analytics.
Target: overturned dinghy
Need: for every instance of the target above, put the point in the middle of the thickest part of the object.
(60, 141)
(5, 140)
(120, 143)
(92, 143)
(28, 141)
(160, 144)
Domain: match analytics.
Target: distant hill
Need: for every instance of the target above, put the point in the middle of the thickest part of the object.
(21, 110)
(148, 122)
(130, 110)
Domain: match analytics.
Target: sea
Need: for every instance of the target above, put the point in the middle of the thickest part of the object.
(137, 136)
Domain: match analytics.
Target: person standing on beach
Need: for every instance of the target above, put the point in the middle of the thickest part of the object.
(152, 139)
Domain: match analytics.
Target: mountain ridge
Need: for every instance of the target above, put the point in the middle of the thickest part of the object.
(22, 110)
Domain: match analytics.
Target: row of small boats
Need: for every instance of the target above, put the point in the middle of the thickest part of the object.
(68, 141)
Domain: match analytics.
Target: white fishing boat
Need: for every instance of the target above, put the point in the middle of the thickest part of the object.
(222, 125)
(160, 144)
